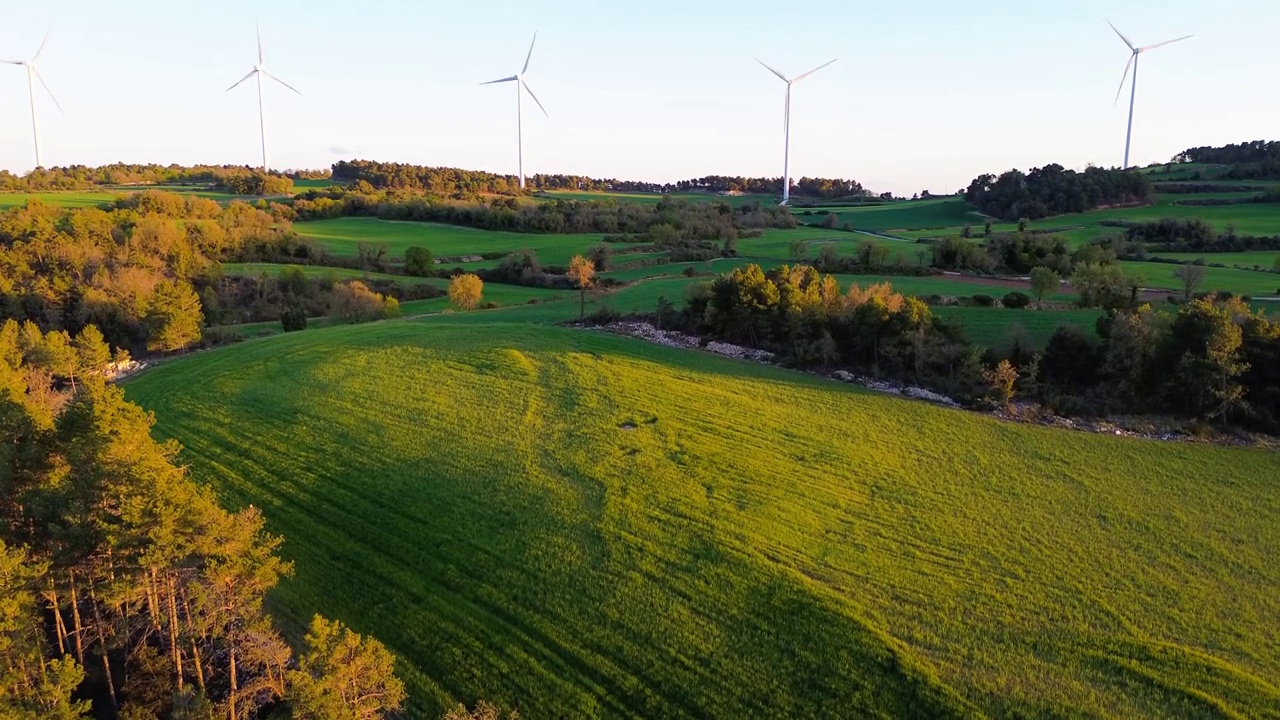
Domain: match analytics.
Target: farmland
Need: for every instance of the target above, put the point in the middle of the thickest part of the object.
(61, 199)
(342, 235)
(566, 540)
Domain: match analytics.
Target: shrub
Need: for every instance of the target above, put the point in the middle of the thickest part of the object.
(419, 262)
(984, 301)
(293, 319)
(1016, 300)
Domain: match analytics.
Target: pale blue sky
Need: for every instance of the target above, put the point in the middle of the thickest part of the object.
(925, 94)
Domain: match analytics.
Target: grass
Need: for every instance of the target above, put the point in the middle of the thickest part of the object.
(61, 199)
(1266, 259)
(582, 525)
(913, 215)
(320, 271)
(340, 236)
(1239, 282)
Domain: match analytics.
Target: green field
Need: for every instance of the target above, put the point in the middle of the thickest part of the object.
(1239, 282)
(341, 235)
(998, 327)
(520, 516)
(61, 199)
(1265, 259)
(319, 271)
(906, 215)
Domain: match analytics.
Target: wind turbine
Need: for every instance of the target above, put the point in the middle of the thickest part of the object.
(258, 71)
(33, 74)
(786, 125)
(1133, 94)
(518, 79)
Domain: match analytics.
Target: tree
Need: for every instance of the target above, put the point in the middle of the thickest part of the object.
(581, 270)
(1044, 281)
(466, 291)
(986, 229)
(343, 676)
(419, 262)
(354, 302)
(1191, 275)
(1001, 380)
(173, 317)
(967, 231)
(798, 250)
(1022, 225)
(601, 255)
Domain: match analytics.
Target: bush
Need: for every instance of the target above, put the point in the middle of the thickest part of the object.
(419, 262)
(984, 301)
(1016, 300)
(293, 319)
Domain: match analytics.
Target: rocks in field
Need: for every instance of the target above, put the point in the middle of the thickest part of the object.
(883, 386)
(120, 370)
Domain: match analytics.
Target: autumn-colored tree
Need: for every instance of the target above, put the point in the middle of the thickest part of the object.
(484, 710)
(581, 272)
(343, 675)
(466, 291)
(1001, 380)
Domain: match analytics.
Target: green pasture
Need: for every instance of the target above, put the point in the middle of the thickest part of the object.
(1239, 282)
(318, 271)
(1264, 259)
(655, 198)
(61, 199)
(521, 516)
(340, 236)
(999, 327)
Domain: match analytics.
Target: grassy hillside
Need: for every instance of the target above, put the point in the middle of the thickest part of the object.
(582, 525)
(61, 199)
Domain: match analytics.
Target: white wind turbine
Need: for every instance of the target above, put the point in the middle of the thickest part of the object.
(518, 79)
(786, 125)
(33, 74)
(1133, 94)
(258, 71)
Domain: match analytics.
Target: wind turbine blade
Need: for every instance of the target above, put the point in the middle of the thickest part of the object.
(1123, 78)
(12, 62)
(535, 98)
(801, 77)
(273, 77)
(505, 79)
(44, 84)
(1166, 42)
(781, 77)
(530, 55)
(246, 77)
(42, 44)
(1122, 37)
(258, 29)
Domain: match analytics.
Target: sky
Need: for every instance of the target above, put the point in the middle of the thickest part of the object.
(925, 95)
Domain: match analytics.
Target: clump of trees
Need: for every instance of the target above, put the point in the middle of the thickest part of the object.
(1254, 160)
(1017, 252)
(125, 590)
(1053, 190)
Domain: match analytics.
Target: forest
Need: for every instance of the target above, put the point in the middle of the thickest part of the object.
(126, 591)
(1053, 190)
(1255, 160)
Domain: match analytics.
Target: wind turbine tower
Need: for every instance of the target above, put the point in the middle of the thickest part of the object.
(1133, 93)
(33, 74)
(786, 125)
(257, 72)
(518, 79)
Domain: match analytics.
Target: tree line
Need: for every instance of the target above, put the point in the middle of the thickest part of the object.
(237, 179)
(1210, 359)
(1053, 190)
(126, 591)
(704, 220)
(1254, 160)
(461, 184)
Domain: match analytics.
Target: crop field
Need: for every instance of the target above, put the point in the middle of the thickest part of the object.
(340, 236)
(531, 523)
(998, 327)
(61, 199)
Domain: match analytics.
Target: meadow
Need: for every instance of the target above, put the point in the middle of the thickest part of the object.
(341, 236)
(60, 199)
(520, 517)
(653, 198)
